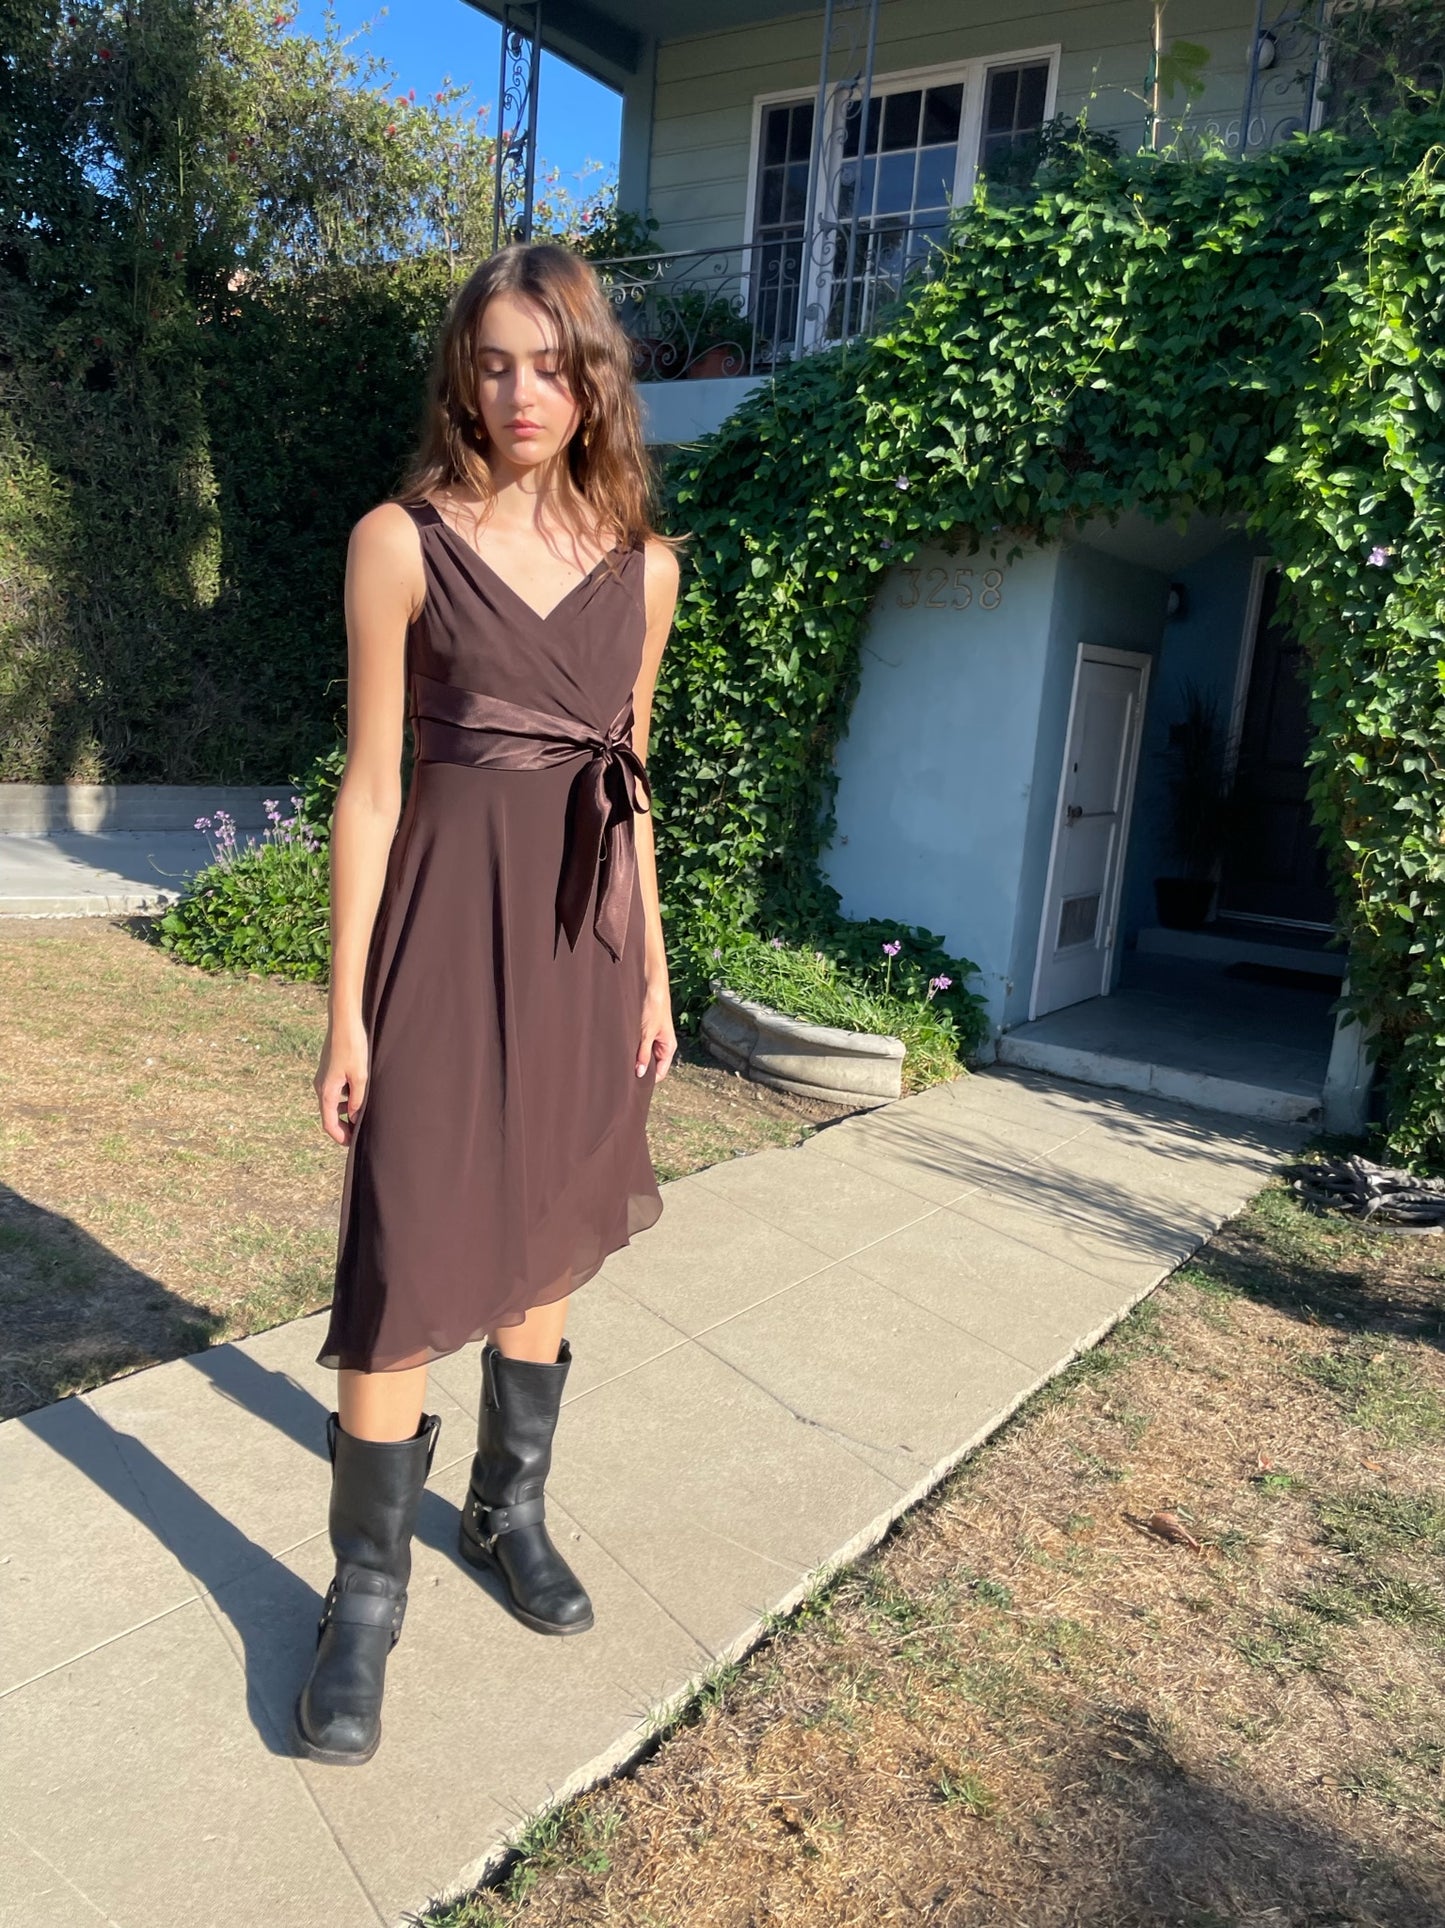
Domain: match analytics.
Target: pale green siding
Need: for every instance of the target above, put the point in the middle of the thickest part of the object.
(706, 84)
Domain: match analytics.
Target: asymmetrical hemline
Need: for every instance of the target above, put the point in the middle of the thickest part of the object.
(501, 1153)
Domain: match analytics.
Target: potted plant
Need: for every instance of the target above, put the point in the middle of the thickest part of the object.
(706, 334)
(789, 1016)
(1202, 815)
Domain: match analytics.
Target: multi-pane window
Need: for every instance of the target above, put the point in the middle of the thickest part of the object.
(1013, 112)
(777, 262)
(895, 173)
(897, 177)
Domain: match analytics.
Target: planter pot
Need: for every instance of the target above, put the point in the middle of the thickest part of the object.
(810, 1060)
(1183, 902)
(726, 358)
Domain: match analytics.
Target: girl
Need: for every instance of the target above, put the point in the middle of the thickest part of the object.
(499, 1008)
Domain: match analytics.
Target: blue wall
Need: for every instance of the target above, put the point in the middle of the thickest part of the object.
(948, 775)
(936, 771)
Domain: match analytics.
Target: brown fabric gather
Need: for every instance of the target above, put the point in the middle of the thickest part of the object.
(463, 726)
(501, 1151)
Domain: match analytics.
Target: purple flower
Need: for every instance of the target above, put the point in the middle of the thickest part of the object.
(900, 481)
(203, 823)
(776, 942)
(892, 950)
(885, 542)
(938, 984)
(1379, 556)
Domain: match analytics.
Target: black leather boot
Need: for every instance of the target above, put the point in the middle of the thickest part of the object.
(502, 1522)
(376, 1488)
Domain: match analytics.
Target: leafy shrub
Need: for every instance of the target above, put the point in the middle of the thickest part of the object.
(264, 906)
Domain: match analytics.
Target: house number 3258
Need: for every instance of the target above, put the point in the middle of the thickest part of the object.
(930, 589)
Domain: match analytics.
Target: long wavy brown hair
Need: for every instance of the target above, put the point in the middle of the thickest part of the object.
(606, 457)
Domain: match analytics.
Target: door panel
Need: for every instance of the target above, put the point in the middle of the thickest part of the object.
(1077, 940)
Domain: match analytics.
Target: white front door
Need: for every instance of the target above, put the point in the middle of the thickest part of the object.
(1076, 944)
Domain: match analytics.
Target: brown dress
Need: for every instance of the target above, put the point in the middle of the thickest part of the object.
(501, 1151)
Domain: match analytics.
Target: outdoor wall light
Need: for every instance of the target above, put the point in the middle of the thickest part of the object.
(1264, 51)
(1176, 603)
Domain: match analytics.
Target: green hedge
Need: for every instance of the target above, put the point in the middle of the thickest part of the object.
(175, 531)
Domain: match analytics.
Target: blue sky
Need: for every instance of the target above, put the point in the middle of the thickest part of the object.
(426, 40)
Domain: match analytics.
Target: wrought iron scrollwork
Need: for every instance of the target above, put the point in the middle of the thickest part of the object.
(1281, 87)
(518, 75)
(749, 309)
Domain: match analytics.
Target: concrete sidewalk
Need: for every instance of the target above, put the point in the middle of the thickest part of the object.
(800, 1349)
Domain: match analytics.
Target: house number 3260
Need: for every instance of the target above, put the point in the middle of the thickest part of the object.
(930, 589)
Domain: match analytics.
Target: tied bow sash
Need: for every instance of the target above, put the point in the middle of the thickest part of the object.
(456, 725)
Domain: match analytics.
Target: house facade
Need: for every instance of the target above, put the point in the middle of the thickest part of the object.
(1005, 779)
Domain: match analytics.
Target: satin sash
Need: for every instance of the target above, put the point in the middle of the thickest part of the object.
(456, 725)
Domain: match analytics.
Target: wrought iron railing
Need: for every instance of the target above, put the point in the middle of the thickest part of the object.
(748, 309)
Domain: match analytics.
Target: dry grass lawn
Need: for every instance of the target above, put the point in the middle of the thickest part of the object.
(1169, 1650)
(164, 1181)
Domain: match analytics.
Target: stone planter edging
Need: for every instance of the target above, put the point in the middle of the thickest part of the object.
(810, 1060)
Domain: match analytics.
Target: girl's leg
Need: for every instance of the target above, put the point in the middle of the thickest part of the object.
(382, 1406)
(538, 1338)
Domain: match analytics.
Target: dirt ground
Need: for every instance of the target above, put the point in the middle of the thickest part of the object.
(1169, 1650)
(164, 1181)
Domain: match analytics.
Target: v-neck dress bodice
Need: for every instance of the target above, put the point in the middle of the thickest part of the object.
(501, 1152)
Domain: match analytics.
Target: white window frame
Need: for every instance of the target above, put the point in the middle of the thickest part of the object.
(974, 75)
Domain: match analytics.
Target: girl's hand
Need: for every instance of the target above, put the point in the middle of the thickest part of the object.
(340, 1081)
(659, 1040)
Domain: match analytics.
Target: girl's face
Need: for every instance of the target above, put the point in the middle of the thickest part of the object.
(527, 409)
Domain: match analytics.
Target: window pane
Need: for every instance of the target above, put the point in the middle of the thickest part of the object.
(900, 119)
(770, 200)
(795, 193)
(895, 183)
(800, 140)
(942, 111)
(937, 171)
(1001, 100)
(1033, 88)
(1014, 101)
(775, 135)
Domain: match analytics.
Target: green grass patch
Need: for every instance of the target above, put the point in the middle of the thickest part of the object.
(1380, 1390)
(1371, 1521)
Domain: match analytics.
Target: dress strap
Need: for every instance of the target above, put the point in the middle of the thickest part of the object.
(424, 514)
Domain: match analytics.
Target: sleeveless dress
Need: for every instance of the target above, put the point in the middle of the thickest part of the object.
(501, 1152)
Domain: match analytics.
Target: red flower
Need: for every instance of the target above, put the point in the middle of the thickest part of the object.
(105, 53)
(411, 93)
(391, 127)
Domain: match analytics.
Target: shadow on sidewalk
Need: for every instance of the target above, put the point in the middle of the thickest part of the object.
(271, 1610)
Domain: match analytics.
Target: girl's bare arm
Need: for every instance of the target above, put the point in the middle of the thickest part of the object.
(384, 591)
(658, 1038)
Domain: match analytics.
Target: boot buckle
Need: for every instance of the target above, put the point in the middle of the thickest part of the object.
(491, 1522)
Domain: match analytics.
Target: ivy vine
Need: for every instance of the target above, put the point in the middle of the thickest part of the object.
(1260, 339)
